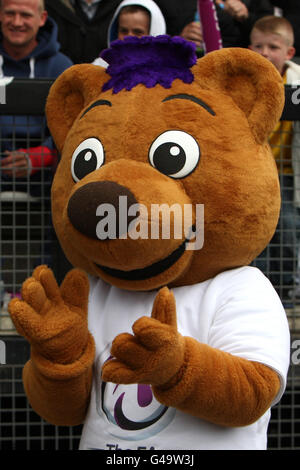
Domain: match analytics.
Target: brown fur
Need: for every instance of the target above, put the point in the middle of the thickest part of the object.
(236, 180)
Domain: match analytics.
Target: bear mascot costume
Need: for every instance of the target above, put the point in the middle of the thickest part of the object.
(162, 336)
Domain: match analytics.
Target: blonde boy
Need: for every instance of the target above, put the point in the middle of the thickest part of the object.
(273, 38)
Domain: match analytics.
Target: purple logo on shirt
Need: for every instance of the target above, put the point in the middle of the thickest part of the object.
(144, 399)
(131, 411)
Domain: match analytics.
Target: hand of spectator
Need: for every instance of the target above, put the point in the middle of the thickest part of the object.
(193, 32)
(237, 9)
(16, 164)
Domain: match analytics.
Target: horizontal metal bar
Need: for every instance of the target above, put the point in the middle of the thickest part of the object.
(28, 96)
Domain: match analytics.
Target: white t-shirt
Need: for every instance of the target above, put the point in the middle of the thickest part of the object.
(238, 311)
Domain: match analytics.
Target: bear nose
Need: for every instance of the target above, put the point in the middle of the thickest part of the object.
(101, 197)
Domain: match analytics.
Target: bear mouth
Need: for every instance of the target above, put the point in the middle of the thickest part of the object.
(149, 271)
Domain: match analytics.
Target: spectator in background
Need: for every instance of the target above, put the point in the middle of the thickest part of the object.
(28, 49)
(291, 11)
(82, 26)
(178, 14)
(236, 19)
(273, 38)
(135, 18)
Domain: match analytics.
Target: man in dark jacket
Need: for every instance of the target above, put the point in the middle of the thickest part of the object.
(237, 17)
(28, 49)
(82, 26)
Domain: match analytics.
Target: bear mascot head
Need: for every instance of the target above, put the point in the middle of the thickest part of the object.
(220, 136)
(165, 192)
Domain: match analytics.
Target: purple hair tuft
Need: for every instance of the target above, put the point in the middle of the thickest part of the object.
(148, 60)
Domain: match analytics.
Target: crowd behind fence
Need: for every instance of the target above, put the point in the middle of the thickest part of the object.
(28, 239)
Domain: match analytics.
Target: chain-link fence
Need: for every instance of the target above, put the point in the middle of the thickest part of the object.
(28, 239)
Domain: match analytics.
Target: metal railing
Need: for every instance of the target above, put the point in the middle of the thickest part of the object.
(27, 238)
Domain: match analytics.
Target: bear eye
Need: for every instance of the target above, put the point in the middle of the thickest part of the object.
(88, 157)
(174, 153)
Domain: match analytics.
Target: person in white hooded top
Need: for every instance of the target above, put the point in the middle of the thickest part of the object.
(134, 18)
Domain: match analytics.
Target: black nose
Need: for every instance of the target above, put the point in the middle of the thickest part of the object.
(102, 198)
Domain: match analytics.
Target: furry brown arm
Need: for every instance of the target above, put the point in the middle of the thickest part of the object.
(219, 387)
(60, 393)
(58, 377)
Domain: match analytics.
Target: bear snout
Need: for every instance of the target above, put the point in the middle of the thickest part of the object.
(100, 197)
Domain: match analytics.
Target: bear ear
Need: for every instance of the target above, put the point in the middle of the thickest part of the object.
(250, 80)
(69, 95)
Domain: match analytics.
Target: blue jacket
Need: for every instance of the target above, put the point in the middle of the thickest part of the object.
(45, 61)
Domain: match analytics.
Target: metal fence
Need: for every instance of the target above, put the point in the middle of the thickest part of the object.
(28, 239)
